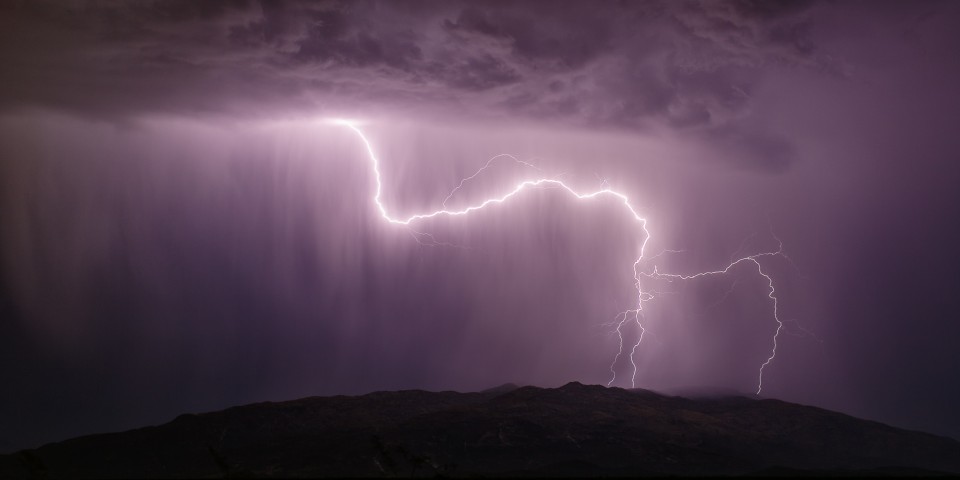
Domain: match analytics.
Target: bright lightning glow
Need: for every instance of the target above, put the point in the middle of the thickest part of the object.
(636, 314)
(478, 172)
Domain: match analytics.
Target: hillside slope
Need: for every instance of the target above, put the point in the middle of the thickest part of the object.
(572, 430)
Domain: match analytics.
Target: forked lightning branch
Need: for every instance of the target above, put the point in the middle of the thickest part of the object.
(633, 315)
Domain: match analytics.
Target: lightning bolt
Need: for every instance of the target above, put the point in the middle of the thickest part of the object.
(481, 170)
(634, 315)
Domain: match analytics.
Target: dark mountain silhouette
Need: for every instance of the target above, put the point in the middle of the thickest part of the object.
(575, 430)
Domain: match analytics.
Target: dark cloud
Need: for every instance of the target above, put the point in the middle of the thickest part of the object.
(630, 65)
(559, 36)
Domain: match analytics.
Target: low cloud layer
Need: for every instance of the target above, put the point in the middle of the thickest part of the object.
(689, 67)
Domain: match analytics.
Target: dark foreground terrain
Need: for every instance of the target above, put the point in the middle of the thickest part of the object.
(574, 430)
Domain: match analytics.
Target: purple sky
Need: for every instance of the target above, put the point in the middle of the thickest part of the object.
(181, 230)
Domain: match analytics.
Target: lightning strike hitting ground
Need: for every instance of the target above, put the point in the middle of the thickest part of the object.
(634, 315)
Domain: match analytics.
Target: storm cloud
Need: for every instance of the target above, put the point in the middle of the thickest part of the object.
(183, 231)
(688, 66)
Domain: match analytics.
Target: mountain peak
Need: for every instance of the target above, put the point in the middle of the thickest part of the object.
(586, 430)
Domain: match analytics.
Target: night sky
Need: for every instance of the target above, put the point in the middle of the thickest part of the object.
(183, 229)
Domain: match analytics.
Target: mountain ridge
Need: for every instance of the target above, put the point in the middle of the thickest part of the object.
(575, 429)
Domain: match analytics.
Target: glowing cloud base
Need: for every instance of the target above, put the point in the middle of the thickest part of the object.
(634, 315)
